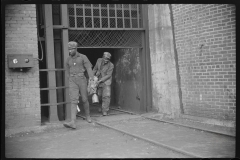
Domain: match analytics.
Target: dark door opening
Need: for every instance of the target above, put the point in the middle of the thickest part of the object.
(127, 77)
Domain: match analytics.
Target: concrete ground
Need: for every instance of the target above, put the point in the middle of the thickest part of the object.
(88, 141)
(91, 140)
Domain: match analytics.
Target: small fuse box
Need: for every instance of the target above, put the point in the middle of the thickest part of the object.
(20, 61)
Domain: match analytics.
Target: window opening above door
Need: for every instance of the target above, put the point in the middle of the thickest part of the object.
(104, 16)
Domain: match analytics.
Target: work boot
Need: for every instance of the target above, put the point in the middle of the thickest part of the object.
(104, 113)
(70, 124)
(88, 118)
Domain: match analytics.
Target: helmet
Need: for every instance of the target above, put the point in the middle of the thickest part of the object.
(72, 44)
(107, 55)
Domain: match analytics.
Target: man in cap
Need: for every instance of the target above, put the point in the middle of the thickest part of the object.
(76, 65)
(103, 70)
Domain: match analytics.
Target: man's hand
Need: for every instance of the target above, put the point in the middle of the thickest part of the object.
(97, 83)
(91, 78)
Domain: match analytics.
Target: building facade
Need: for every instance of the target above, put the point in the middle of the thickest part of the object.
(177, 59)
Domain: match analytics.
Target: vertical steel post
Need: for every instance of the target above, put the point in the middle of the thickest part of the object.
(50, 61)
(143, 66)
(148, 60)
(64, 16)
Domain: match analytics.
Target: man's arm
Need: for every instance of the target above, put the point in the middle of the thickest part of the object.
(108, 75)
(95, 69)
(67, 68)
(88, 66)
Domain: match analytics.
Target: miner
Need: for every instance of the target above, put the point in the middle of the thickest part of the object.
(103, 70)
(76, 65)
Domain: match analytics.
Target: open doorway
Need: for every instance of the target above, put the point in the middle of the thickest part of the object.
(127, 76)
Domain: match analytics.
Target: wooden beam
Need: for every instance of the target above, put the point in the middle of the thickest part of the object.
(50, 61)
(64, 16)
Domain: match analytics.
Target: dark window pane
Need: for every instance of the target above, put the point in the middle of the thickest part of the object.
(79, 11)
(127, 23)
(80, 22)
(112, 23)
(96, 22)
(95, 12)
(112, 13)
(71, 11)
(88, 22)
(134, 23)
(104, 22)
(88, 12)
(71, 21)
(119, 13)
(119, 23)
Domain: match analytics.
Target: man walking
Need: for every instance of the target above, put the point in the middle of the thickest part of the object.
(103, 70)
(76, 64)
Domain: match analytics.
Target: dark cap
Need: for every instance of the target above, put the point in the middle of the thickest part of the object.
(107, 55)
(72, 44)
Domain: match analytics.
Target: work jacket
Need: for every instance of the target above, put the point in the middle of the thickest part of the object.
(103, 71)
(78, 64)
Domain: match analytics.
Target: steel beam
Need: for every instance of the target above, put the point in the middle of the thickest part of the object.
(50, 60)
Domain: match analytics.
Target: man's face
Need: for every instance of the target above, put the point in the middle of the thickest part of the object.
(72, 51)
(105, 59)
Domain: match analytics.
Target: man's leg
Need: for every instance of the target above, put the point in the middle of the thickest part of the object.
(106, 97)
(99, 93)
(74, 95)
(83, 91)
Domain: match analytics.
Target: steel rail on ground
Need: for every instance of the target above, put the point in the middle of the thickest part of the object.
(147, 140)
(174, 123)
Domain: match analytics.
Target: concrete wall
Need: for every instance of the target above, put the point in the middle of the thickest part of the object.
(22, 99)
(206, 48)
(165, 91)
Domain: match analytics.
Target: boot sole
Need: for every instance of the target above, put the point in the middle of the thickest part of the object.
(67, 126)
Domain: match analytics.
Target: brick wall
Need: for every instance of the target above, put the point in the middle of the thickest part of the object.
(22, 98)
(206, 46)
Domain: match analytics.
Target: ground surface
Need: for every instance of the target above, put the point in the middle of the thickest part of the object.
(88, 141)
(91, 140)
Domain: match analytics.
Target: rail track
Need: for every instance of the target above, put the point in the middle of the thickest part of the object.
(172, 148)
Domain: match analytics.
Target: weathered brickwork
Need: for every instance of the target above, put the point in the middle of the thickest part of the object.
(22, 99)
(205, 37)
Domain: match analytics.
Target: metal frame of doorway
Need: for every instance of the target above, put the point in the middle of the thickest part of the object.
(49, 48)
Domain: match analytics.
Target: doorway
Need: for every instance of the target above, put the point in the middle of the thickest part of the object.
(124, 40)
(127, 77)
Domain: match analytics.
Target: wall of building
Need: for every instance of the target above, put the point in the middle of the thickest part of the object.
(165, 88)
(206, 48)
(22, 94)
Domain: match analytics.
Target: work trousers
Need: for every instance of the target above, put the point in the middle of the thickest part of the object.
(104, 93)
(78, 84)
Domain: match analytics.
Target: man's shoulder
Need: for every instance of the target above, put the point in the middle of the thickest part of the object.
(82, 55)
(99, 60)
(111, 64)
(68, 58)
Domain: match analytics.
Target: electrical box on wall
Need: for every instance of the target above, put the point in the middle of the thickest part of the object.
(20, 61)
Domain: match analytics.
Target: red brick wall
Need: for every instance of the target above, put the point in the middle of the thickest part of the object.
(206, 46)
(22, 98)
